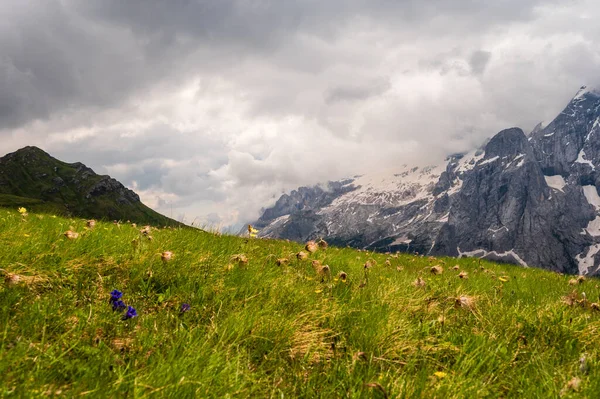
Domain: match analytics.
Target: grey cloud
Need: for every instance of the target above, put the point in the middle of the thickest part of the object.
(57, 56)
(479, 60)
(356, 93)
(278, 93)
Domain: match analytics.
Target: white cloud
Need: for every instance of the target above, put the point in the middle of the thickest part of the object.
(214, 115)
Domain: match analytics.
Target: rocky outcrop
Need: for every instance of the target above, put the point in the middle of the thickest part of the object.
(525, 200)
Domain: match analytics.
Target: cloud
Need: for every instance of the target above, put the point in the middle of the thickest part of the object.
(479, 60)
(212, 109)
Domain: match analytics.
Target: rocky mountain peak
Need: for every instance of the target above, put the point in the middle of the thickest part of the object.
(508, 142)
(532, 201)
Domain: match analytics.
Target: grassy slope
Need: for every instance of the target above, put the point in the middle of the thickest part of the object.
(25, 186)
(265, 330)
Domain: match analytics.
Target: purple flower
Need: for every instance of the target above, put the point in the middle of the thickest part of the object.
(115, 295)
(184, 307)
(118, 305)
(131, 313)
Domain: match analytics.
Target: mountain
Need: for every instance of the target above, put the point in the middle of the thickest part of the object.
(530, 200)
(30, 177)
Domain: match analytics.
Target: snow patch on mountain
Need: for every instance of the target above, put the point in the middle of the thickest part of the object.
(591, 195)
(581, 159)
(587, 261)
(482, 253)
(557, 182)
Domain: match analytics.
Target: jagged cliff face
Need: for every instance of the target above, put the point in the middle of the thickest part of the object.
(526, 200)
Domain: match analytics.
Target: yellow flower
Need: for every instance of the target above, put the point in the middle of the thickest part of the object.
(26, 235)
(440, 374)
(503, 279)
(252, 231)
(22, 211)
(318, 291)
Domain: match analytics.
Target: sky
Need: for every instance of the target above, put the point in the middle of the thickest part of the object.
(211, 109)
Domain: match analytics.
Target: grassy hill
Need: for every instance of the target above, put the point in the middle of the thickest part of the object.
(256, 328)
(32, 178)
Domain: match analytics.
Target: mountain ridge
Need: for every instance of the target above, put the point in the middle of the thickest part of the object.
(32, 177)
(524, 199)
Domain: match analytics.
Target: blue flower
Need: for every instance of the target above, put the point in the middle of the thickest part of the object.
(131, 313)
(185, 307)
(118, 305)
(115, 295)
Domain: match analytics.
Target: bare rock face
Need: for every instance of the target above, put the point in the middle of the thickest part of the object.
(524, 200)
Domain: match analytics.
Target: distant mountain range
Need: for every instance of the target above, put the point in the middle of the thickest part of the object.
(526, 199)
(31, 178)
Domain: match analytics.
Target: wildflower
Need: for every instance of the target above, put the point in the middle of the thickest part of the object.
(322, 244)
(282, 261)
(399, 268)
(440, 374)
(115, 295)
(571, 299)
(166, 256)
(311, 247)
(252, 232)
(71, 235)
(503, 279)
(145, 230)
(22, 211)
(318, 291)
(343, 276)
(419, 282)
(301, 255)
(463, 275)
(456, 267)
(241, 259)
(369, 264)
(118, 305)
(574, 384)
(131, 313)
(388, 263)
(91, 224)
(324, 271)
(580, 279)
(12, 279)
(184, 307)
(316, 264)
(437, 269)
(464, 301)
(133, 225)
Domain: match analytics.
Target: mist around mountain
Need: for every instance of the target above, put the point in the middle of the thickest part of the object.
(33, 179)
(529, 199)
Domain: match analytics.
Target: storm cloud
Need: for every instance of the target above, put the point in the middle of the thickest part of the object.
(212, 109)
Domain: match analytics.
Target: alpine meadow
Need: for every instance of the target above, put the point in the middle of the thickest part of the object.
(353, 199)
(226, 316)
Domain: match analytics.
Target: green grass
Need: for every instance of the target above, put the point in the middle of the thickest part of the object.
(263, 330)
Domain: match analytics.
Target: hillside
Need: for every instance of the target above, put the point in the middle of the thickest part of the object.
(395, 326)
(30, 177)
(531, 200)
